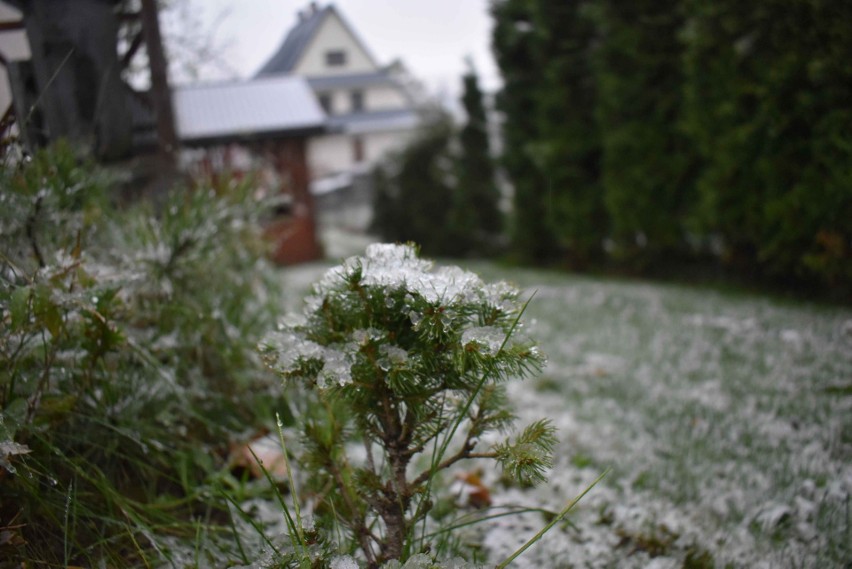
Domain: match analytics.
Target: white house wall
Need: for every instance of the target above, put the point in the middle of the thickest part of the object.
(384, 98)
(378, 144)
(13, 46)
(333, 35)
(340, 102)
(329, 154)
(334, 153)
(375, 99)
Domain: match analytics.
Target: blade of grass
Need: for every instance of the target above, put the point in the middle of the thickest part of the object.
(139, 551)
(293, 530)
(236, 533)
(198, 532)
(438, 455)
(253, 523)
(477, 520)
(424, 500)
(552, 522)
(291, 525)
(294, 495)
(70, 503)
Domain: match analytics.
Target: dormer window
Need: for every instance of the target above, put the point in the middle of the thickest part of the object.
(335, 58)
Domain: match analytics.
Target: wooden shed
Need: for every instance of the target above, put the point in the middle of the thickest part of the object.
(256, 124)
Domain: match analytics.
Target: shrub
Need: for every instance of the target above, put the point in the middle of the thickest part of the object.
(127, 362)
(407, 365)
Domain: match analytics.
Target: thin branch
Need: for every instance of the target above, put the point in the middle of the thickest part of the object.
(31, 221)
(482, 455)
(368, 446)
(360, 528)
(463, 453)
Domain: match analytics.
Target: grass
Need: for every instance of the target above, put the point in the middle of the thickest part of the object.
(725, 417)
(723, 412)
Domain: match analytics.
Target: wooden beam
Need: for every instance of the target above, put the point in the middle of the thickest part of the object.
(9, 116)
(129, 16)
(160, 94)
(6, 136)
(138, 39)
(11, 26)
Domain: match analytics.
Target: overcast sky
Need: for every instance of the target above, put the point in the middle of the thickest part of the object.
(432, 37)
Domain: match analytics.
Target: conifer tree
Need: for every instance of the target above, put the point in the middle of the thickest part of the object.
(568, 140)
(647, 159)
(769, 110)
(532, 233)
(719, 79)
(476, 218)
(414, 193)
(386, 207)
(406, 364)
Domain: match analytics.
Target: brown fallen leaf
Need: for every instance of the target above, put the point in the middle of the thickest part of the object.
(476, 492)
(268, 451)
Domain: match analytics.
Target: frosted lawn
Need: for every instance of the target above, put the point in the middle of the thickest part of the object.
(727, 420)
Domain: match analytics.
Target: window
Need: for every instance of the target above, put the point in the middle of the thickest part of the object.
(357, 101)
(335, 58)
(357, 149)
(325, 102)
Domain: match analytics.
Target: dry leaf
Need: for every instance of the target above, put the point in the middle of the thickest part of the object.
(268, 451)
(473, 490)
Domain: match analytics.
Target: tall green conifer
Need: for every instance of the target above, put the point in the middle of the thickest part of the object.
(647, 159)
(568, 140)
(413, 196)
(387, 222)
(476, 217)
(770, 111)
(532, 235)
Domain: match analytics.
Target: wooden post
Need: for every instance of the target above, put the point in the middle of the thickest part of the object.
(295, 238)
(160, 93)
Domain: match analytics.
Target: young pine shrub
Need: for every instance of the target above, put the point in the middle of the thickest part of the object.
(405, 369)
(127, 365)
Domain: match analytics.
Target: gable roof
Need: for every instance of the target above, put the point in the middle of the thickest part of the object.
(299, 38)
(249, 110)
(288, 55)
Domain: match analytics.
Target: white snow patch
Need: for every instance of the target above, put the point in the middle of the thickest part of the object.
(344, 562)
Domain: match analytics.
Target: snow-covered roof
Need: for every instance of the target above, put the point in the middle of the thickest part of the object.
(299, 38)
(372, 121)
(251, 109)
(285, 59)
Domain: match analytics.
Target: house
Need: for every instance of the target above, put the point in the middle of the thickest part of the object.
(261, 126)
(13, 46)
(371, 108)
(68, 84)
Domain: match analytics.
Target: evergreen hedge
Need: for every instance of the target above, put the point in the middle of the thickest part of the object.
(638, 132)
